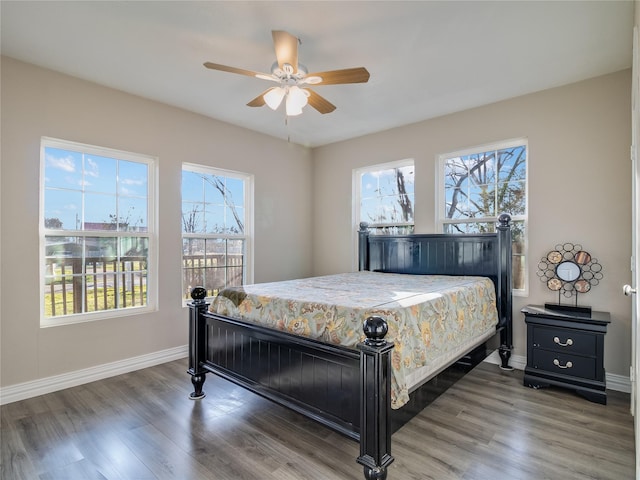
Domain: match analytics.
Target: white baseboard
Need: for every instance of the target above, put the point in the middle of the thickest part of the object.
(22, 391)
(619, 383)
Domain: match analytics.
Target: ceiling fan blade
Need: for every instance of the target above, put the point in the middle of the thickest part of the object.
(241, 71)
(286, 47)
(320, 103)
(259, 100)
(348, 75)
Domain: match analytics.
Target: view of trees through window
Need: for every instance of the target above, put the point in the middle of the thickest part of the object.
(479, 186)
(214, 233)
(387, 197)
(97, 231)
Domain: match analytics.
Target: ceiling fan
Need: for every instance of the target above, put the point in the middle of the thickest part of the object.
(293, 79)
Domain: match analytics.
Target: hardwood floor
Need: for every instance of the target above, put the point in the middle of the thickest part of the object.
(142, 425)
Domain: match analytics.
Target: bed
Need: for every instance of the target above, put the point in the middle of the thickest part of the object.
(348, 357)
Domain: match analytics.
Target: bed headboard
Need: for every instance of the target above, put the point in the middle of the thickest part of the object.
(486, 254)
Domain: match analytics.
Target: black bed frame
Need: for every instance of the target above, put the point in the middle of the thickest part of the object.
(345, 389)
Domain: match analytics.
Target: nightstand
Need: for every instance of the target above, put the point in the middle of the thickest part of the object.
(566, 349)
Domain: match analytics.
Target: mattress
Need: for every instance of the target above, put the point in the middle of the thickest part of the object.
(433, 319)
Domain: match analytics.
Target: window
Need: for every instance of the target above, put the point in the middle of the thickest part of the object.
(216, 226)
(97, 224)
(477, 185)
(385, 197)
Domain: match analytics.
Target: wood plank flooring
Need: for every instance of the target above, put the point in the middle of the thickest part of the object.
(142, 425)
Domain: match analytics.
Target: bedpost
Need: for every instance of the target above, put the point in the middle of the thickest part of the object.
(363, 246)
(504, 290)
(197, 341)
(375, 400)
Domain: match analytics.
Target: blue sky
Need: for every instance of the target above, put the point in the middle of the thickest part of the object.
(90, 188)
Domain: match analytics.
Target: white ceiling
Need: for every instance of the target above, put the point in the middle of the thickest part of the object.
(426, 59)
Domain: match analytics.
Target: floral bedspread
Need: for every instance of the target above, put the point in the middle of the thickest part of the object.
(428, 315)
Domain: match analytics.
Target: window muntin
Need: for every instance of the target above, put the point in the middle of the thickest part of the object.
(478, 185)
(97, 232)
(216, 206)
(385, 196)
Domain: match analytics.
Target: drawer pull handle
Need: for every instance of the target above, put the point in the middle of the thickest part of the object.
(556, 362)
(568, 343)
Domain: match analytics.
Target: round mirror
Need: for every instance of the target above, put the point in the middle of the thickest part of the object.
(568, 271)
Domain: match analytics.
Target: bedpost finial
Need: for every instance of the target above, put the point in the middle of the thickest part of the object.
(198, 294)
(504, 220)
(375, 328)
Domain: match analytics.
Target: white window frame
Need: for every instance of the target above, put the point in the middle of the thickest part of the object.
(357, 197)
(247, 236)
(151, 233)
(441, 201)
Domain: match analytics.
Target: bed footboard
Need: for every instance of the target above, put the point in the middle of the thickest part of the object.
(345, 390)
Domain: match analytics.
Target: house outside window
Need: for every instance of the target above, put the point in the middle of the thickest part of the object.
(477, 185)
(384, 197)
(97, 232)
(216, 229)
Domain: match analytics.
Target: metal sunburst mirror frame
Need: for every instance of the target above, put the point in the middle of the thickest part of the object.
(569, 270)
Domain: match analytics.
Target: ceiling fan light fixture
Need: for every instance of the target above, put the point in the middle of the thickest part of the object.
(296, 99)
(273, 98)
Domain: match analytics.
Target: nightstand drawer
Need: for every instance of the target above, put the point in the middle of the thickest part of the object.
(559, 363)
(564, 340)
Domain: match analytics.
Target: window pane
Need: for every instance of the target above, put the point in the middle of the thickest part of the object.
(408, 176)
(482, 168)
(234, 220)
(368, 184)
(100, 174)
(192, 186)
(62, 168)
(216, 256)
(132, 270)
(214, 218)
(192, 263)
(133, 178)
(132, 213)
(512, 198)
(235, 192)
(192, 217)
(60, 248)
(62, 209)
(518, 239)
(481, 201)
(512, 163)
(100, 212)
(214, 189)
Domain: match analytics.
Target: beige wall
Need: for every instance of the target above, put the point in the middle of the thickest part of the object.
(579, 186)
(38, 102)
